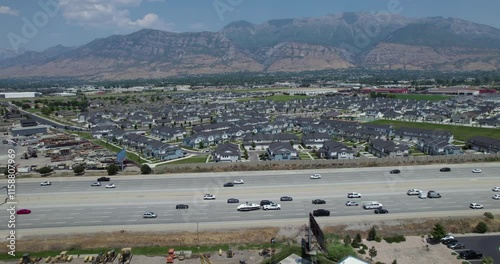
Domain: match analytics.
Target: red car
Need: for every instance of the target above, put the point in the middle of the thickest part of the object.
(23, 211)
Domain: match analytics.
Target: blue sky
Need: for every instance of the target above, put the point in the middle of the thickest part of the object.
(39, 24)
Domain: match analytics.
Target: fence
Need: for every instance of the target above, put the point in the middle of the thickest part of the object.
(318, 164)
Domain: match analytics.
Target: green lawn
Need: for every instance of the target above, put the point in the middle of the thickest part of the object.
(429, 97)
(304, 156)
(276, 98)
(459, 132)
(195, 159)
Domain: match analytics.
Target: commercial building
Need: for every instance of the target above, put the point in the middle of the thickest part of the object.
(29, 131)
(20, 95)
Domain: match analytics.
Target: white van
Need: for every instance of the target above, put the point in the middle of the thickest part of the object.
(422, 195)
(372, 205)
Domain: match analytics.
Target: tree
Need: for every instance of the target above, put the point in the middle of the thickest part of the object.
(372, 234)
(253, 144)
(357, 241)
(201, 145)
(347, 240)
(438, 232)
(44, 171)
(112, 169)
(78, 170)
(135, 127)
(337, 251)
(395, 262)
(481, 227)
(487, 260)
(245, 154)
(372, 252)
(145, 169)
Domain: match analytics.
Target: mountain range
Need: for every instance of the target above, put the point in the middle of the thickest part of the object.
(338, 41)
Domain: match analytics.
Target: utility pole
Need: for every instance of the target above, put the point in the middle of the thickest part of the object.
(272, 249)
(197, 236)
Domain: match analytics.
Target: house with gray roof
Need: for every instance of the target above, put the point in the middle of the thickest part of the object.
(335, 150)
(227, 152)
(281, 151)
(484, 144)
(382, 148)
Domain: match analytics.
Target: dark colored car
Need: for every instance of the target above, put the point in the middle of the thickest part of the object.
(233, 200)
(433, 194)
(286, 198)
(449, 241)
(395, 171)
(181, 206)
(321, 212)
(103, 179)
(470, 254)
(265, 202)
(381, 211)
(229, 184)
(23, 211)
(445, 169)
(319, 201)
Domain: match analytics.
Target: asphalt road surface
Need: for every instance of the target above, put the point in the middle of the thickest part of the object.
(72, 202)
(488, 245)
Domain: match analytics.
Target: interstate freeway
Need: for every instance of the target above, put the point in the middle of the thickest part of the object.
(72, 202)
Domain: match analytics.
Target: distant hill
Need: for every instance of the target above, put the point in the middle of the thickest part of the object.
(336, 41)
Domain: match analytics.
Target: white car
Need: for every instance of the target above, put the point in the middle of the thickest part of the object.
(414, 192)
(272, 206)
(496, 189)
(96, 184)
(315, 176)
(209, 197)
(476, 206)
(476, 171)
(354, 195)
(238, 182)
(149, 215)
(448, 237)
(496, 197)
(111, 185)
(45, 183)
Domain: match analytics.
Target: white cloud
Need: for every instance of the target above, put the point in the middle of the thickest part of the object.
(197, 26)
(112, 14)
(8, 11)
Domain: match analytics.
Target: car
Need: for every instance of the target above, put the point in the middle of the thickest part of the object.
(449, 241)
(496, 197)
(233, 200)
(249, 207)
(380, 211)
(229, 184)
(209, 197)
(181, 206)
(476, 171)
(414, 192)
(445, 169)
(354, 195)
(321, 212)
(238, 182)
(23, 211)
(433, 194)
(264, 202)
(476, 206)
(447, 237)
(286, 198)
(351, 203)
(456, 245)
(272, 206)
(103, 179)
(395, 172)
(470, 254)
(111, 185)
(96, 184)
(45, 183)
(496, 189)
(149, 215)
(318, 201)
(315, 176)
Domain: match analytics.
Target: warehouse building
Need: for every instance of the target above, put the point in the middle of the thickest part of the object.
(29, 131)
(20, 95)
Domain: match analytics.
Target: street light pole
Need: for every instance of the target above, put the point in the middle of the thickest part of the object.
(197, 236)
(272, 249)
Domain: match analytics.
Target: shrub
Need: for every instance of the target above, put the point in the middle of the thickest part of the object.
(372, 234)
(365, 247)
(338, 251)
(378, 239)
(145, 169)
(44, 170)
(481, 227)
(362, 251)
(78, 169)
(489, 215)
(372, 252)
(395, 239)
(112, 169)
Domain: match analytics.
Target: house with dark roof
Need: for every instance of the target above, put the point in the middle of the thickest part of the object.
(227, 152)
(435, 147)
(162, 151)
(281, 151)
(484, 144)
(382, 148)
(262, 141)
(335, 150)
(315, 140)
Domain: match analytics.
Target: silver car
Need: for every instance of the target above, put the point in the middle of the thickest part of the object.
(149, 215)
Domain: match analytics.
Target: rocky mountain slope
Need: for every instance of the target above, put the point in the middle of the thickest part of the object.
(287, 45)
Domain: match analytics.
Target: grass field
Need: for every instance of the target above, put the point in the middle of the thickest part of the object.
(429, 97)
(195, 159)
(276, 98)
(459, 132)
(304, 156)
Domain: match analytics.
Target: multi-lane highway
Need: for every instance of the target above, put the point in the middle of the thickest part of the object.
(72, 202)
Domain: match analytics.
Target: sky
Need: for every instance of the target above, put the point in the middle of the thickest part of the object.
(40, 24)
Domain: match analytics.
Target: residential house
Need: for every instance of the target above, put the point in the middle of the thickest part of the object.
(382, 148)
(335, 150)
(315, 140)
(436, 147)
(227, 152)
(281, 151)
(484, 144)
(162, 151)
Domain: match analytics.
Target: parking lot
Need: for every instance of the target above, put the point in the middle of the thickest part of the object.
(488, 245)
